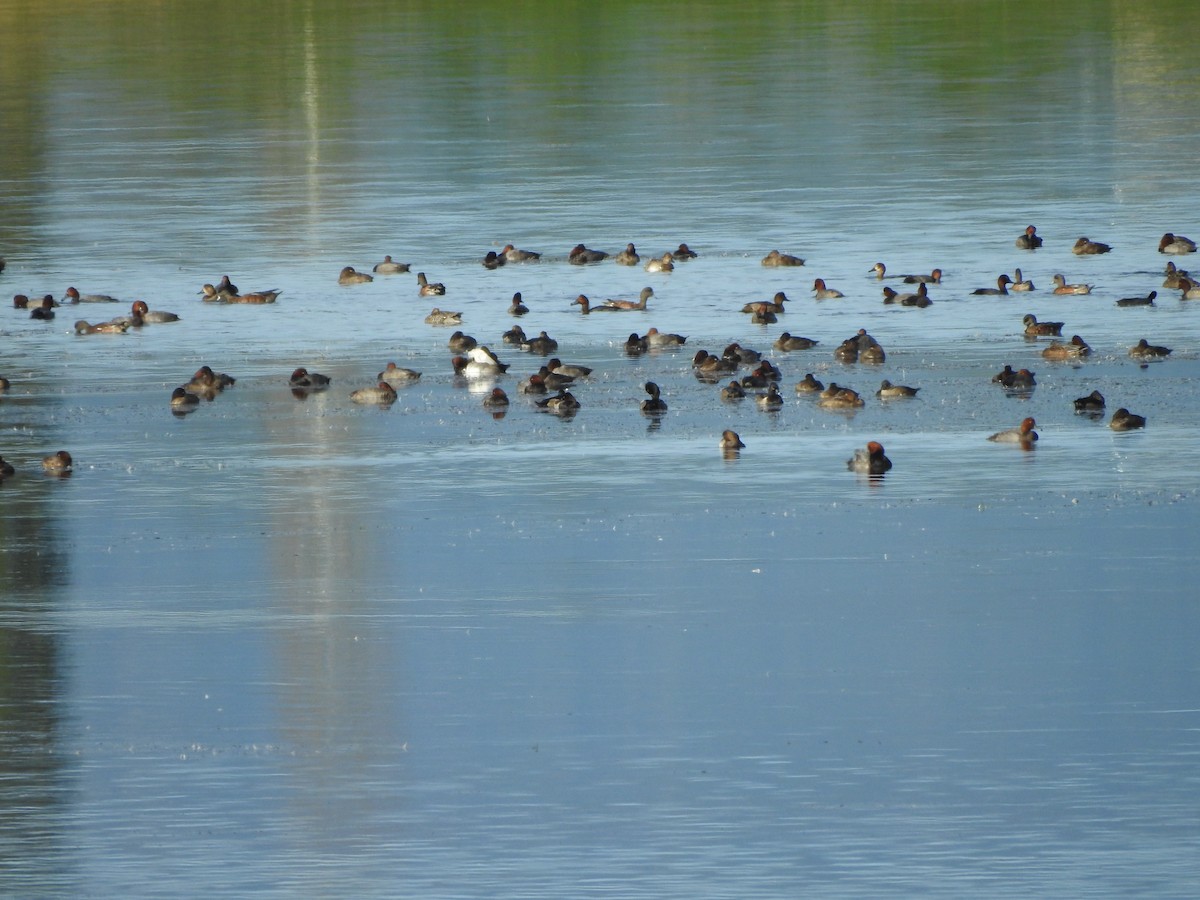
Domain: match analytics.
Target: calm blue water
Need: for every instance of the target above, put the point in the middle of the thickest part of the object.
(300, 647)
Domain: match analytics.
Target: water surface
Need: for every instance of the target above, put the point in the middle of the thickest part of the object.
(300, 647)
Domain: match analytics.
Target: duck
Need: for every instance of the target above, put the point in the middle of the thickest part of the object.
(1034, 328)
(182, 400)
(427, 289)
(1143, 349)
(743, 356)
(733, 391)
(809, 385)
(628, 256)
(869, 349)
(1001, 288)
(762, 376)
(303, 379)
(207, 383)
(640, 303)
(934, 277)
(5, 384)
(869, 461)
(44, 311)
(786, 342)
(879, 270)
(1022, 434)
(660, 264)
(712, 368)
(82, 326)
(58, 463)
(684, 253)
(1072, 349)
(395, 375)
(1021, 379)
(1019, 282)
(1061, 287)
(587, 308)
(349, 276)
(513, 255)
(821, 292)
(889, 391)
(517, 307)
(1028, 239)
(771, 400)
(483, 357)
(1086, 247)
(209, 294)
(534, 384)
(553, 380)
(254, 297)
(920, 299)
(140, 310)
(836, 397)
(1191, 291)
(6, 468)
(656, 339)
(1124, 420)
(846, 351)
(494, 260)
(497, 399)
(225, 286)
(581, 255)
(763, 316)
(461, 343)
(775, 258)
(443, 317)
(1093, 402)
(1148, 300)
(20, 301)
(654, 404)
(382, 394)
(543, 344)
(561, 404)
(1176, 243)
(204, 384)
(515, 335)
(73, 296)
(558, 367)
(635, 345)
(390, 267)
(775, 304)
(1174, 276)
(731, 442)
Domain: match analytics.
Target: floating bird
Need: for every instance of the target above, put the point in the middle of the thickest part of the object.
(1029, 239)
(425, 288)
(1124, 420)
(1092, 403)
(869, 461)
(654, 404)
(1022, 434)
(388, 267)
(1086, 247)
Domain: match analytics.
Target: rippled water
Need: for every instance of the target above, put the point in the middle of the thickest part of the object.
(295, 646)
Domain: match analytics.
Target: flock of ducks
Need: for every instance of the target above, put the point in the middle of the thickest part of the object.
(550, 385)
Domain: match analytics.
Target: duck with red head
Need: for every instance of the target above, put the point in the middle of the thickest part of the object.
(382, 394)
(1029, 239)
(869, 461)
(1022, 434)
